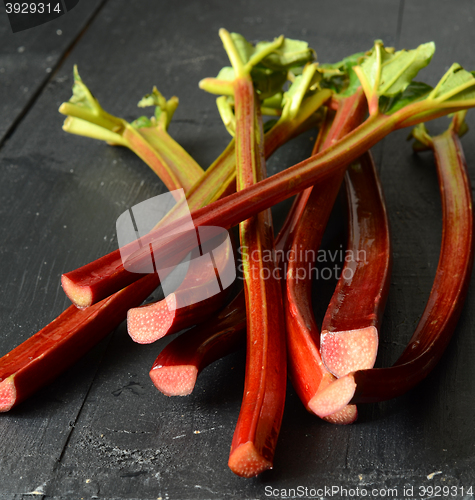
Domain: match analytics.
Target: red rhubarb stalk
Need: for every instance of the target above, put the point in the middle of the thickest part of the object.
(350, 329)
(307, 372)
(258, 425)
(449, 289)
(178, 365)
(42, 357)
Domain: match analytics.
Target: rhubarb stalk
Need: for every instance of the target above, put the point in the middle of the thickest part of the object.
(258, 425)
(149, 139)
(350, 329)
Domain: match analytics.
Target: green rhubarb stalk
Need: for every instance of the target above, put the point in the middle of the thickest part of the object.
(148, 138)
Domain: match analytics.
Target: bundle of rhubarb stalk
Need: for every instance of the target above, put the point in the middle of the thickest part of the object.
(354, 104)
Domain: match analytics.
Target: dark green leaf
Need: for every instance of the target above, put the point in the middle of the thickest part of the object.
(414, 91)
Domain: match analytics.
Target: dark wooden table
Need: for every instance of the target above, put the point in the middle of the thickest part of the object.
(102, 430)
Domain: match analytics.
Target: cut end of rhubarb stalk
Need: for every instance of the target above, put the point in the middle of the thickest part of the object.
(246, 461)
(343, 417)
(80, 296)
(7, 394)
(174, 380)
(334, 397)
(348, 351)
(151, 322)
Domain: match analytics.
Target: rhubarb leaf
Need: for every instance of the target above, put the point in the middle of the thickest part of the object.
(227, 73)
(82, 96)
(388, 73)
(267, 82)
(415, 91)
(164, 109)
(244, 48)
(302, 84)
(340, 76)
(290, 54)
(142, 122)
(456, 85)
(400, 68)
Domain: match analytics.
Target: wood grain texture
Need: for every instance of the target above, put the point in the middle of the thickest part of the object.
(102, 430)
(28, 59)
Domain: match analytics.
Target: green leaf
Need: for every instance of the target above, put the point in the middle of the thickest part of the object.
(267, 82)
(244, 48)
(340, 76)
(399, 69)
(227, 74)
(395, 70)
(457, 84)
(164, 109)
(142, 122)
(155, 98)
(82, 96)
(414, 91)
(290, 54)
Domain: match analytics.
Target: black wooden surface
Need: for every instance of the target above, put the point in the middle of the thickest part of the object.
(102, 430)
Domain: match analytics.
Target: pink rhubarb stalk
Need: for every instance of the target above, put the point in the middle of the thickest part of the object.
(200, 294)
(177, 367)
(350, 329)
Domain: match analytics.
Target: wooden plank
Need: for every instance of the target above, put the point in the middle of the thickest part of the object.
(28, 59)
(433, 414)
